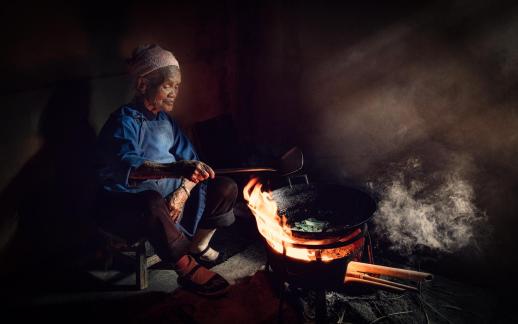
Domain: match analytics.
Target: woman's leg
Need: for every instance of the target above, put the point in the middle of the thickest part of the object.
(143, 214)
(221, 196)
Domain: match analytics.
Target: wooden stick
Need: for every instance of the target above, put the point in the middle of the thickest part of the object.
(355, 267)
(379, 280)
(373, 283)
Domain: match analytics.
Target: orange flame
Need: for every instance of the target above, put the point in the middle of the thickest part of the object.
(276, 231)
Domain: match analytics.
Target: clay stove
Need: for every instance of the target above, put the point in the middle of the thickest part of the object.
(327, 258)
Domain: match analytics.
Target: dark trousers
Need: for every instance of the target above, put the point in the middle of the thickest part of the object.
(146, 214)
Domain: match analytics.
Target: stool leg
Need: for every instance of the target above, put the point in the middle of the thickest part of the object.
(142, 270)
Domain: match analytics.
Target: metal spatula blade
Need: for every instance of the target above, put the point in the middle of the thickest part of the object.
(290, 162)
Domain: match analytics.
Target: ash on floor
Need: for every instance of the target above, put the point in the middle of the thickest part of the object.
(438, 301)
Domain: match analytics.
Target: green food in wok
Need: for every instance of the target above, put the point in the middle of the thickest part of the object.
(310, 225)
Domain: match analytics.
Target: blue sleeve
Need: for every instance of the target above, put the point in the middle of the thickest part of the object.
(182, 148)
(126, 142)
(120, 149)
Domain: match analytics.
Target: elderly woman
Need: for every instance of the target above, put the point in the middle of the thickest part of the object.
(154, 185)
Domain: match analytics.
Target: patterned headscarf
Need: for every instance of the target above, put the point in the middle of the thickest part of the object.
(148, 58)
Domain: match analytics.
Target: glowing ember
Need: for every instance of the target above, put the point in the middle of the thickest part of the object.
(276, 231)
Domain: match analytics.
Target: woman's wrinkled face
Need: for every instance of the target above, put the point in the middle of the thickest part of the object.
(162, 96)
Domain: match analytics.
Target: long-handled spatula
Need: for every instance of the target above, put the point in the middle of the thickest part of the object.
(291, 162)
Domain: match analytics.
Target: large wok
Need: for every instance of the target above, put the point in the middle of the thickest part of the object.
(344, 208)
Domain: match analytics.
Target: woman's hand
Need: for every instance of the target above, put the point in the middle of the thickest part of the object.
(195, 171)
(177, 203)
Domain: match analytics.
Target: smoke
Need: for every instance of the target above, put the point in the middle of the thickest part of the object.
(436, 209)
(430, 118)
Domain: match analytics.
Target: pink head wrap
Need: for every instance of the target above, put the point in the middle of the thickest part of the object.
(148, 58)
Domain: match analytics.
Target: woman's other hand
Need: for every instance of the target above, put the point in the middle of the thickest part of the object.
(195, 171)
(177, 203)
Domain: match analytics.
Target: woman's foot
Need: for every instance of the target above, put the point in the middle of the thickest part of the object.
(207, 254)
(194, 277)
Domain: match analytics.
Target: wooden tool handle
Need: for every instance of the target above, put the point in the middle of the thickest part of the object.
(243, 170)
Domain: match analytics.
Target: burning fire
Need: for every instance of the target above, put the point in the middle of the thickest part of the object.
(278, 235)
(276, 231)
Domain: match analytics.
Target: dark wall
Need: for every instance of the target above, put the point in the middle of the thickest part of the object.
(416, 100)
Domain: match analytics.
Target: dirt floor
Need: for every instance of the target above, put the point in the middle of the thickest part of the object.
(108, 295)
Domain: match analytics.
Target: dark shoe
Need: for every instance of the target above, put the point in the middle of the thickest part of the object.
(216, 286)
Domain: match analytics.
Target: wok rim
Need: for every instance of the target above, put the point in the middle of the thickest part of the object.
(346, 229)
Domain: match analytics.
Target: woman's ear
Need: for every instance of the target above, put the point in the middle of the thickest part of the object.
(141, 85)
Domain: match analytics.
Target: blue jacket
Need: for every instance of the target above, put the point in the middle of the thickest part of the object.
(133, 135)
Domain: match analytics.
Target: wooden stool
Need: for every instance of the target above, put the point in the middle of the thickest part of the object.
(141, 251)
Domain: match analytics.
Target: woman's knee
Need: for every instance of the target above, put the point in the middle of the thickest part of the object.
(217, 221)
(225, 188)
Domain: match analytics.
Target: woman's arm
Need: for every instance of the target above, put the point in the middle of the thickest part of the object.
(194, 171)
(179, 198)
